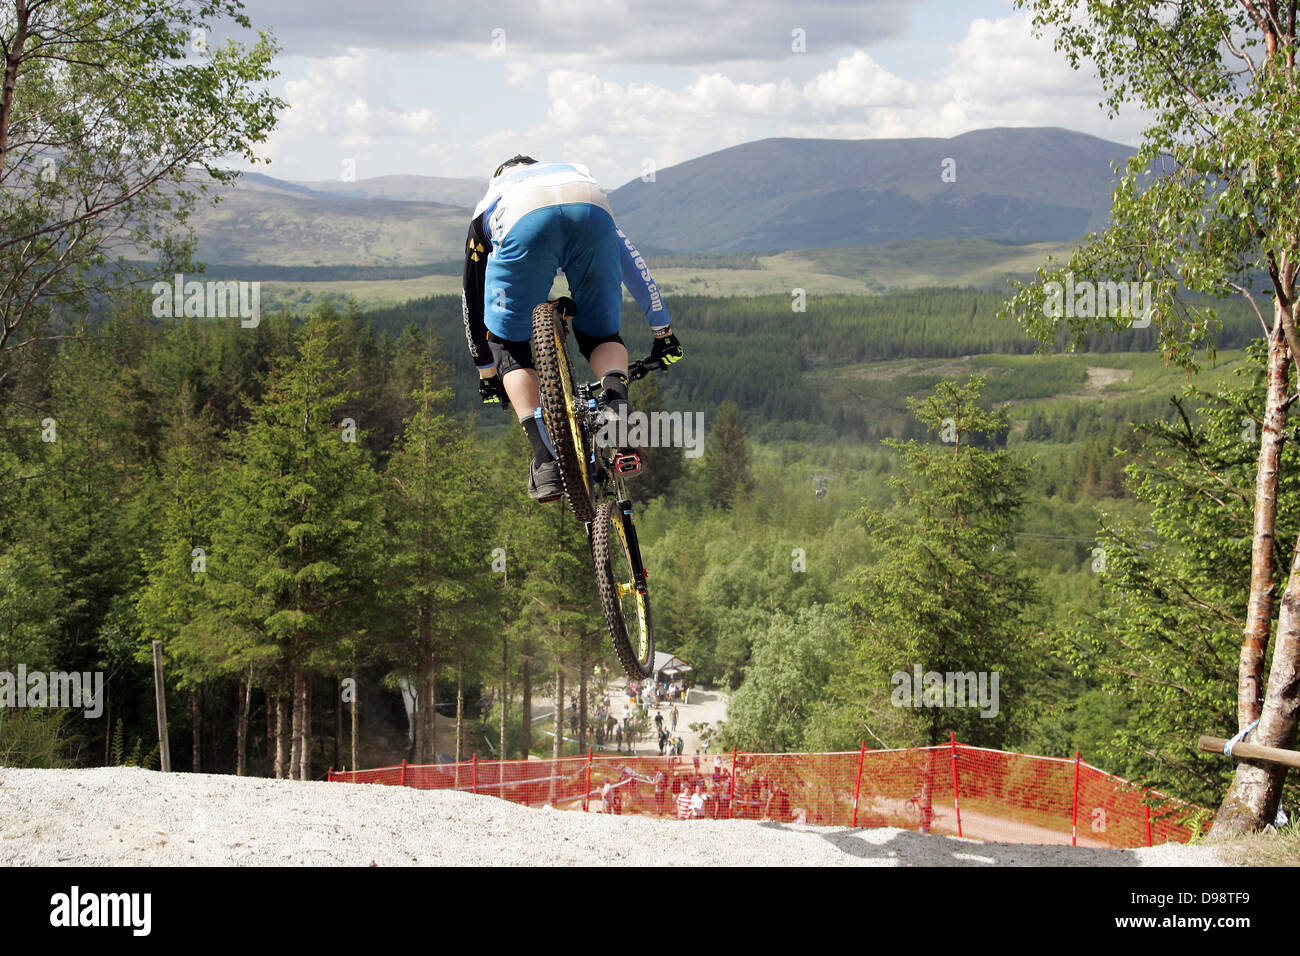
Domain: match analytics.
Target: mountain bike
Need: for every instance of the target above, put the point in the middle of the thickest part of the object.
(594, 476)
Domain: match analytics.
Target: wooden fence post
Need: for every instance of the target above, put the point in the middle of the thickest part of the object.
(160, 701)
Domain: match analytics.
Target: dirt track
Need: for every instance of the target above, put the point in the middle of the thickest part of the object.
(132, 817)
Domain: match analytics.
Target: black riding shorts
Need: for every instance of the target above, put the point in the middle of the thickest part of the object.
(512, 355)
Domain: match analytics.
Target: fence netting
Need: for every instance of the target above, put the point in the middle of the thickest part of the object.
(951, 789)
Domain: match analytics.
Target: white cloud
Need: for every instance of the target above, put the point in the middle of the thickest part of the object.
(857, 81)
(520, 75)
(1002, 75)
(996, 74)
(343, 101)
(582, 102)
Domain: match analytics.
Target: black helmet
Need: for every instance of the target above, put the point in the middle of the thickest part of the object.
(518, 160)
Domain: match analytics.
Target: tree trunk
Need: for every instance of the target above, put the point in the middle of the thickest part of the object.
(270, 733)
(1263, 562)
(295, 723)
(582, 707)
(338, 721)
(13, 62)
(356, 693)
(1252, 800)
(242, 704)
(196, 728)
(426, 746)
(108, 723)
(526, 730)
(422, 701)
(557, 745)
(431, 708)
(281, 737)
(460, 713)
(505, 694)
(304, 753)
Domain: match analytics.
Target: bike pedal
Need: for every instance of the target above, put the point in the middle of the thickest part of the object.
(627, 462)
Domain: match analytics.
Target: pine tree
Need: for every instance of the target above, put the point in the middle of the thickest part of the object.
(663, 465)
(947, 594)
(727, 459)
(439, 589)
(294, 552)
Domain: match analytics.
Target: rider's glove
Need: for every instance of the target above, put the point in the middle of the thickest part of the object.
(490, 390)
(666, 350)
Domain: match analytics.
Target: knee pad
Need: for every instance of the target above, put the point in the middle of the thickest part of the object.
(587, 343)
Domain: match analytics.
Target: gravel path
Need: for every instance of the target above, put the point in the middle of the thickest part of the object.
(123, 816)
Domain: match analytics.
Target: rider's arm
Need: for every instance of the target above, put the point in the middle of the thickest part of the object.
(477, 246)
(642, 285)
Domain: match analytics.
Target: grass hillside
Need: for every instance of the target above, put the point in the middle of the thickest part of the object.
(274, 223)
(862, 270)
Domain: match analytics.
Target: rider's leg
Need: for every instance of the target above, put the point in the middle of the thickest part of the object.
(515, 363)
(609, 357)
(594, 269)
(519, 275)
(522, 390)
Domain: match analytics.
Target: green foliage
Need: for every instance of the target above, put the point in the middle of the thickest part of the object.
(118, 756)
(726, 462)
(661, 466)
(114, 177)
(796, 376)
(793, 659)
(947, 593)
(33, 738)
(293, 552)
(1175, 584)
(1210, 195)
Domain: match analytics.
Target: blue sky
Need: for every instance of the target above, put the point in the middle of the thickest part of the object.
(443, 89)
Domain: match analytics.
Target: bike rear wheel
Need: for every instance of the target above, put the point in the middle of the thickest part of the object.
(627, 608)
(560, 409)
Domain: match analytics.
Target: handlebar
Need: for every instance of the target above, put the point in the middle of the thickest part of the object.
(641, 368)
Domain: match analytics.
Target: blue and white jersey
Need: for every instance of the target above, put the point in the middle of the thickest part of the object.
(523, 189)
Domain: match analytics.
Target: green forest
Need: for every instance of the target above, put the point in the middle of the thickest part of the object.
(315, 511)
(319, 530)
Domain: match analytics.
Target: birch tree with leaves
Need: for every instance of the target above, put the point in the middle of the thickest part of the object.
(114, 119)
(1208, 205)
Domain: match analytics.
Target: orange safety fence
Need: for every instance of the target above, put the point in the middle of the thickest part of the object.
(952, 789)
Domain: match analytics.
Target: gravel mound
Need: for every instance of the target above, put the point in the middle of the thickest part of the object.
(125, 816)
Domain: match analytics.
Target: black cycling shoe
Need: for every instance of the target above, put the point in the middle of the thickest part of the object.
(544, 482)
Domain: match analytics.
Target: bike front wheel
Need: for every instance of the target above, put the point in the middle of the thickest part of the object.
(620, 579)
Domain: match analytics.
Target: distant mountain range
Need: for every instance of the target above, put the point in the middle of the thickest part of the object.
(1010, 184)
(267, 221)
(450, 192)
(1015, 185)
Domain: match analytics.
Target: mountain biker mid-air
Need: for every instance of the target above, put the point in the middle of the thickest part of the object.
(537, 219)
